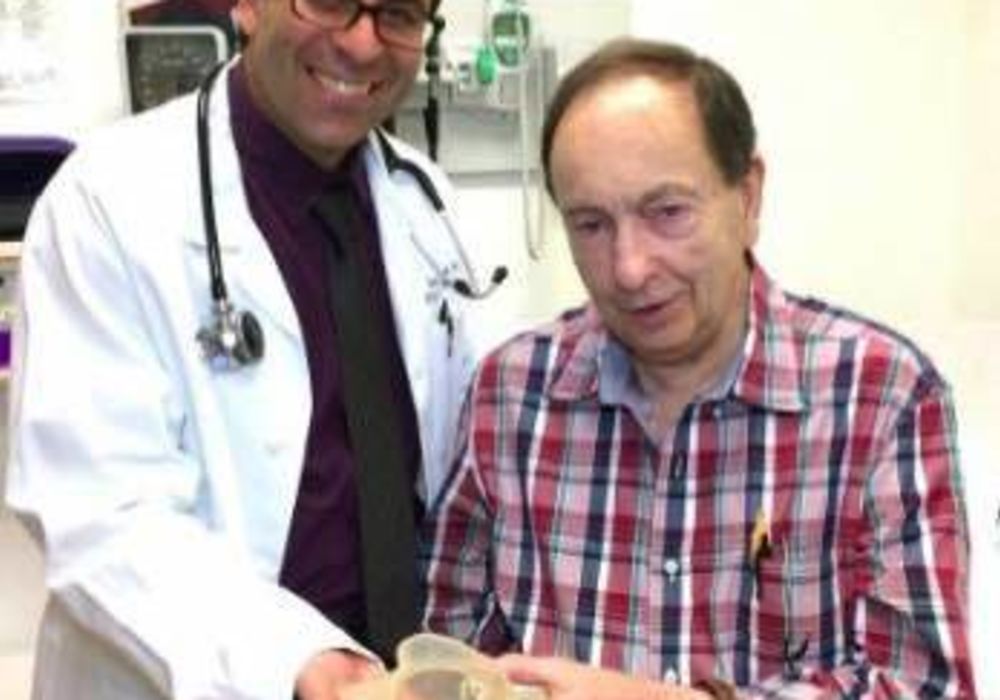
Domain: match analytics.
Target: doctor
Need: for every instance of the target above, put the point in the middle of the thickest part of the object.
(200, 519)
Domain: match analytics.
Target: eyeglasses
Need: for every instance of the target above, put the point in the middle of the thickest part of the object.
(399, 23)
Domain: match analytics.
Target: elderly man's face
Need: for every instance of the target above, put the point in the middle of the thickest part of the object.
(656, 233)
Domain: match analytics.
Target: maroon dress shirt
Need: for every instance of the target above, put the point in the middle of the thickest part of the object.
(322, 561)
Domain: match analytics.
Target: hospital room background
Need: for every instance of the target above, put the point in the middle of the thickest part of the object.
(878, 124)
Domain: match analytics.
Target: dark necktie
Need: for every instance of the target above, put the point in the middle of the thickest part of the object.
(384, 480)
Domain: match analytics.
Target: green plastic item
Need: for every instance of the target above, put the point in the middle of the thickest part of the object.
(486, 65)
(510, 29)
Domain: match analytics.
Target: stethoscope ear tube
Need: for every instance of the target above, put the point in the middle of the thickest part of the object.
(216, 277)
(467, 287)
(395, 162)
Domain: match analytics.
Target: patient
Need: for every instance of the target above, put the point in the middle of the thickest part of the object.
(698, 485)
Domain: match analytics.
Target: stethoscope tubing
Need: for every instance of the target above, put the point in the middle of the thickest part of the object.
(468, 285)
(216, 276)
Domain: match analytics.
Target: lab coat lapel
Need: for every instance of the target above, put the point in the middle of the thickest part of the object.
(404, 213)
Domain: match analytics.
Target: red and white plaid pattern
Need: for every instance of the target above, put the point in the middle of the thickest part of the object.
(565, 530)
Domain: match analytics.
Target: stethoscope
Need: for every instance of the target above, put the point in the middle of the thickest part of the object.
(234, 338)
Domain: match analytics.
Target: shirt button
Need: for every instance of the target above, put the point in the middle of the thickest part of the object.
(670, 676)
(671, 567)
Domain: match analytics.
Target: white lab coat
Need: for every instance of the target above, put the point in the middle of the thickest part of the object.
(162, 491)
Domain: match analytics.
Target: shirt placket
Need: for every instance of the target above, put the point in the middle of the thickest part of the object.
(666, 546)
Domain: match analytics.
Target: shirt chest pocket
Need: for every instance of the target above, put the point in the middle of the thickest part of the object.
(781, 607)
(795, 606)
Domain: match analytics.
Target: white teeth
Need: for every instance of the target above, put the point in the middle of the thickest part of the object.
(344, 87)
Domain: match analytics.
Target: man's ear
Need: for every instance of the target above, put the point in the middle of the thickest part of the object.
(752, 193)
(244, 17)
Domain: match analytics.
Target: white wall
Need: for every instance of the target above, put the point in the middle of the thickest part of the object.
(878, 122)
(87, 89)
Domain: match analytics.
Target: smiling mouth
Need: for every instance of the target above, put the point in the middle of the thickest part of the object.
(347, 88)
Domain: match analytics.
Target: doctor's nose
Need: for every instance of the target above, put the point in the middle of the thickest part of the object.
(360, 39)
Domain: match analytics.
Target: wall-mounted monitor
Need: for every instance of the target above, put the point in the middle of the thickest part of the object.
(162, 62)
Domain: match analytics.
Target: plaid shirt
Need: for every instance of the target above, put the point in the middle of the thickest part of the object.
(800, 533)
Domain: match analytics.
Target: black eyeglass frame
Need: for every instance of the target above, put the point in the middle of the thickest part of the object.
(375, 11)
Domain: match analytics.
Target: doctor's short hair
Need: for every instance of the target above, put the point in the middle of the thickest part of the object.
(725, 115)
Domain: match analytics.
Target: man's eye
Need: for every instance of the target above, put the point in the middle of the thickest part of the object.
(670, 217)
(344, 8)
(403, 15)
(669, 211)
(586, 227)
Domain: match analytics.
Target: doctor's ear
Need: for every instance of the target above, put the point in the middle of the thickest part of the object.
(244, 18)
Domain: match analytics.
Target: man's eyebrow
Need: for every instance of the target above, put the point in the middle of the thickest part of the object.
(666, 189)
(582, 210)
(669, 189)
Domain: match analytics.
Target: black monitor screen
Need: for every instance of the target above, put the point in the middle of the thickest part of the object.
(163, 63)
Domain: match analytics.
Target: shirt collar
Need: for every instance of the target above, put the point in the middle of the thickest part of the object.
(619, 384)
(767, 372)
(771, 370)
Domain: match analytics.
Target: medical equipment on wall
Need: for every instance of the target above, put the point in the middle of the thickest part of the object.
(488, 90)
(234, 338)
(509, 32)
(432, 67)
(168, 47)
(510, 37)
(162, 62)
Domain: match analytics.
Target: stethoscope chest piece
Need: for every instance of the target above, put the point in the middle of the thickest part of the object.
(232, 339)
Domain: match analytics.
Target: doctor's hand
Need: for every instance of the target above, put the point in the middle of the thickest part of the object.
(327, 673)
(563, 679)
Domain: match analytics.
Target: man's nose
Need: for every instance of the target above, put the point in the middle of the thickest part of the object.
(631, 258)
(360, 39)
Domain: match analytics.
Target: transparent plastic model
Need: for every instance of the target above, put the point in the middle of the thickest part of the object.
(432, 667)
